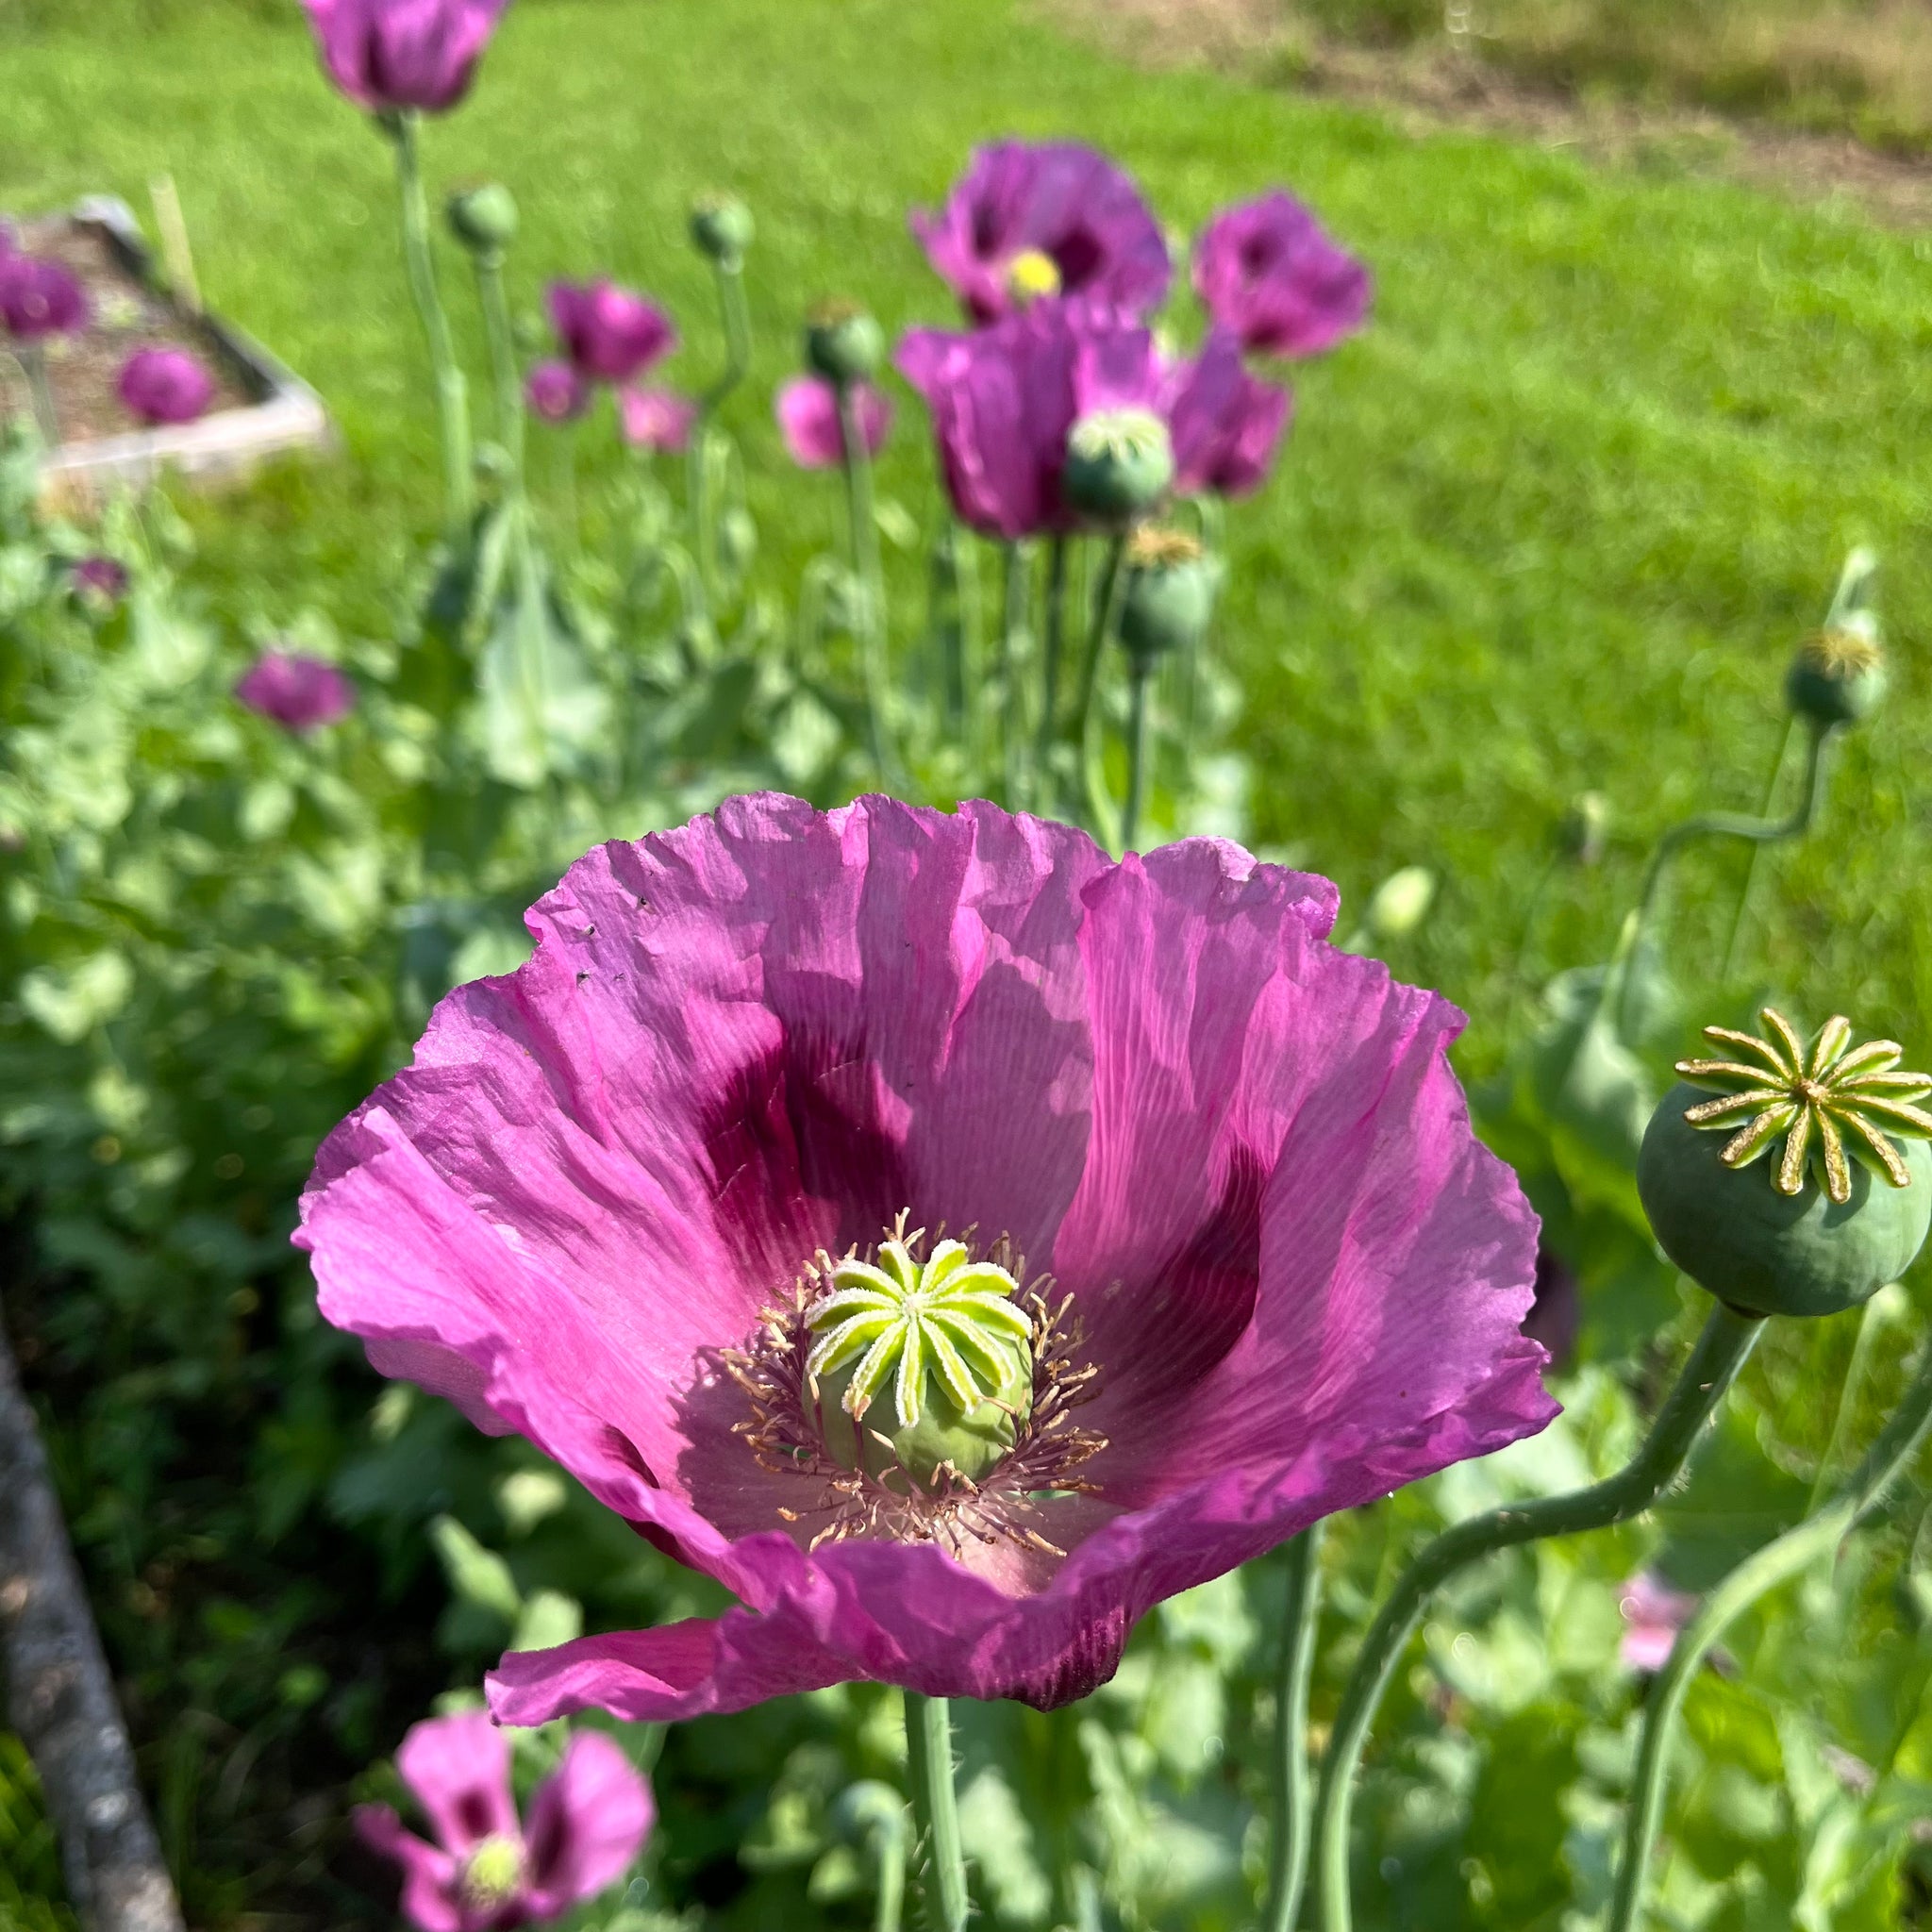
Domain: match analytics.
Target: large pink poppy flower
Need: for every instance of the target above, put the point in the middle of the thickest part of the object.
(624, 1199)
(1046, 217)
(388, 55)
(1269, 271)
(487, 1871)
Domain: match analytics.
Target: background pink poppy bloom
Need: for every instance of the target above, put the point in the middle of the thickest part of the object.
(609, 334)
(657, 419)
(39, 298)
(1653, 1615)
(1269, 271)
(1056, 207)
(101, 577)
(807, 413)
(588, 1821)
(1240, 1151)
(165, 387)
(390, 54)
(557, 393)
(299, 693)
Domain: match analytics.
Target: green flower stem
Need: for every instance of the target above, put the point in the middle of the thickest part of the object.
(864, 531)
(888, 1842)
(1719, 1353)
(1140, 673)
(1107, 599)
(1734, 950)
(1728, 825)
(32, 358)
(1013, 629)
(736, 317)
(935, 1811)
(1291, 1812)
(1871, 1318)
(1058, 553)
(1778, 1562)
(452, 391)
(503, 358)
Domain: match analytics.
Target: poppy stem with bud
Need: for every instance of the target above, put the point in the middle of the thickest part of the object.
(452, 391)
(1292, 1811)
(935, 1811)
(1753, 1579)
(1719, 1352)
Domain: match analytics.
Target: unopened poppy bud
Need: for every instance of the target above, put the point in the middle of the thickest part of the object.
(721, 228)
(843, 343)
(1789, 1177)
(1585, 828)
(484, 219)
(1168, 596)
(1119, 463)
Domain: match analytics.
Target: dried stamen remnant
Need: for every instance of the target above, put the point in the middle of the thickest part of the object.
(977, 1387)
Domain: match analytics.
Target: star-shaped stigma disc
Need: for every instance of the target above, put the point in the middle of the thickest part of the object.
(1827, 1100)
(948, 1313)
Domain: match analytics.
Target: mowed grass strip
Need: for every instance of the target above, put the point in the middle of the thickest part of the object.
(1555, 521)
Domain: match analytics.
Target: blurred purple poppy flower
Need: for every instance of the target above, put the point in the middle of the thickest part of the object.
(1005, 399)
(609, 334)
(657, 419)
(299, 693)
(99, 577)
(807, 413)
(1269, 271)
(588, 1821)
(40, 298)
(557, 393)
(391, 55)
(165, 387)
(1052, 218)
(600, 1206)
(1653, 1615)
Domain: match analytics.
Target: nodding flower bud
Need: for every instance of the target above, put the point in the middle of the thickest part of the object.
(722, 230)
(1584, 830)
(1168, 596)
(843, 343)
(484, 219)
(1119, 463)
(1846, 1202)
(1839, 676)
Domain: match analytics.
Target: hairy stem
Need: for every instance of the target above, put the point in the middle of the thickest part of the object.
(1291, 1813)
(1013, 629)
(452, 391)
(935, 1811)
(1058, 554)
(1719, 1352)
(503, 358)
(1790, 1555)
(864, 530)
(1734, 951)
(736, 318)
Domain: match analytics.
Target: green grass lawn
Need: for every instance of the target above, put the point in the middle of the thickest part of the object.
(1555, 520)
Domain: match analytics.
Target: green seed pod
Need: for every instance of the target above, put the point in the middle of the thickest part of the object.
(972, 1441)
(722, 230)
(1168, 595)
(1838, 676)
(843, 343)
(484, 219)
(1119, 464)
(1769, 1253)
(1843, 1203)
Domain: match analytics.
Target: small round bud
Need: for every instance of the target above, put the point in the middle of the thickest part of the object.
(1168, 597)
(1585, 828)
(722, 230)
(1769, 1253)
(484, 219)
(843, 343)
(1838, 676)
(1119, 463)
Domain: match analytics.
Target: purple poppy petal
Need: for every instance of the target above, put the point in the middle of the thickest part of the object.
(299, 693)
(807, 413)
(40, 299)
(165, 387)
(1653, 1615)
(387, 56)
(610, 334)
(768, 1033)
(1269, 273)
(429, 1875)
(1054, 199)
(556, 393)
(589, 1819)
(458, 1768)
(656, 419)
(1226, 425)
